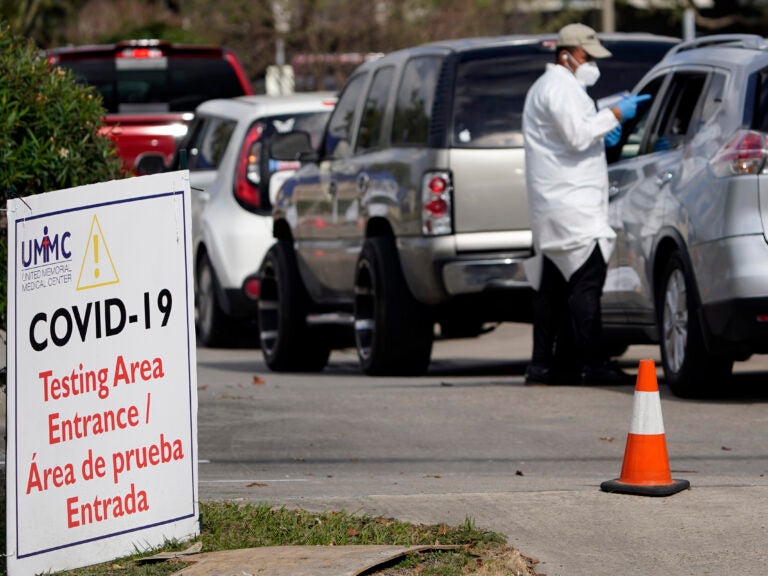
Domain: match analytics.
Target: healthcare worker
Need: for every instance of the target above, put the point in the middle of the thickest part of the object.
(567, 179)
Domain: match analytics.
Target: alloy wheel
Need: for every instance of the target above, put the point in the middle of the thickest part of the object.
(365, 322)
(205, 298)
(675, 320)
(269, 314)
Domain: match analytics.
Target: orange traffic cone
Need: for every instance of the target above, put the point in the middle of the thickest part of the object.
(645, 470)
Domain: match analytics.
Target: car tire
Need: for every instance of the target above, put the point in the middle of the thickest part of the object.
(288, 344)
(393, 331)
(689, 369)
(215, 328)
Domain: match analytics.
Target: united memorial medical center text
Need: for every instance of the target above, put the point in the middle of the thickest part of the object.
(93, 385)
(45, 276)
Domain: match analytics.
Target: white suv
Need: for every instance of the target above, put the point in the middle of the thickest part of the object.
(233, 184)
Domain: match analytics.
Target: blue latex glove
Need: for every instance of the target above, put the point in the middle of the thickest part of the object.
(613, 137)
(662, 143)
(628, 106)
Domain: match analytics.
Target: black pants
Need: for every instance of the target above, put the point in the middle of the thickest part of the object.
(567, 324)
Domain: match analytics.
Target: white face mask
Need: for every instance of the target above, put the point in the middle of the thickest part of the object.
(587, 73)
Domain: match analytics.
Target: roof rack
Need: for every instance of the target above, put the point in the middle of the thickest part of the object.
(752, 41)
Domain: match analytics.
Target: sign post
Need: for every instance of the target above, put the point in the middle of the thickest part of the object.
(102, 384)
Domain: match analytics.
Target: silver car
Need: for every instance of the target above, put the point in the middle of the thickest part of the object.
(689, 203)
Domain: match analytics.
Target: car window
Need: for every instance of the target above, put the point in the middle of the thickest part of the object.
(678, 109)
(371, 133)
(192, 81)
(628, 63)
(415, 96)
(311, 122)
(208, 141)
(338, 138)
(156, 85)
(491, 87)
(674, 114)
(759, 119)
(713, 99)
(489, 96)
(633, 131)
(101, 74)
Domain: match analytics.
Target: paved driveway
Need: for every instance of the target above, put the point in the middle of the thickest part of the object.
(469, 439)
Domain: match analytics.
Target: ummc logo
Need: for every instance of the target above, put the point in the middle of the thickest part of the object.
(45, 250)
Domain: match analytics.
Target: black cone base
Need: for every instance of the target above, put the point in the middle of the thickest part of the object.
(618, 487)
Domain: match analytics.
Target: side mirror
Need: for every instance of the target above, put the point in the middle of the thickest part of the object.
(290, 146)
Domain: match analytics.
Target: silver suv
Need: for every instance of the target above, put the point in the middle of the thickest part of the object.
(414, 212)
(689, 202)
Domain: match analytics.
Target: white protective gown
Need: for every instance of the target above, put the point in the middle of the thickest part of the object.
(566, 172)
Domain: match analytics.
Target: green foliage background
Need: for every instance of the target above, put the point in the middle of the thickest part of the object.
(49, 133)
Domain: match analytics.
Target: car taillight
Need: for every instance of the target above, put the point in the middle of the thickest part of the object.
(140, 53)
(745, 153)
(436, 195)
(248, 176)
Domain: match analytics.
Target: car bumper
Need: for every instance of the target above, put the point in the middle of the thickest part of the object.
(476, 275)
(236, 245)
(732, 282)
(440, 269)
(737, 327)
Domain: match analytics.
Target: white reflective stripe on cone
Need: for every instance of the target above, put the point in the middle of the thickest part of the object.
(646, 414)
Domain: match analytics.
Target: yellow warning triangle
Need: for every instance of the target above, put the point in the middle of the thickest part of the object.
(97, 268)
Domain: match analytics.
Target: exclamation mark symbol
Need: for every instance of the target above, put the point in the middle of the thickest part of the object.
(96, 254)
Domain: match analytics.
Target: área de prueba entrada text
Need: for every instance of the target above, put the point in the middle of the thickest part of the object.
(100, 384)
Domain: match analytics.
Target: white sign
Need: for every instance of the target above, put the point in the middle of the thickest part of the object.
(102, 384)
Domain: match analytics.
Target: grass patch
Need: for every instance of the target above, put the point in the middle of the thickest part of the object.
(227, 525)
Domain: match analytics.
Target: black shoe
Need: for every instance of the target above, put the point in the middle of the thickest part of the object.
(606, 375)
(538, 375)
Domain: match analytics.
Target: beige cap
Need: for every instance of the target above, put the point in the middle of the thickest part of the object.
(584, 37)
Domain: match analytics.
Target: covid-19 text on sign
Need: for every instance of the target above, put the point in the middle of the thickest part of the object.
(97, 319)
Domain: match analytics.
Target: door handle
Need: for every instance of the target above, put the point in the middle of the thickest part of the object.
(664, 179)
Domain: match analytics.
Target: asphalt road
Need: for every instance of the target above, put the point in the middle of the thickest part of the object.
(469, 439)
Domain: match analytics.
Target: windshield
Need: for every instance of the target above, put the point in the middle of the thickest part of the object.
(310, 122)
(157, 85)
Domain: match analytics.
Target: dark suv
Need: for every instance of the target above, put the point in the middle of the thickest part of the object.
(150, 90)
(414, 211)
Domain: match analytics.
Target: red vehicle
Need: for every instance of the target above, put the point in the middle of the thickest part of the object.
(150, 89)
